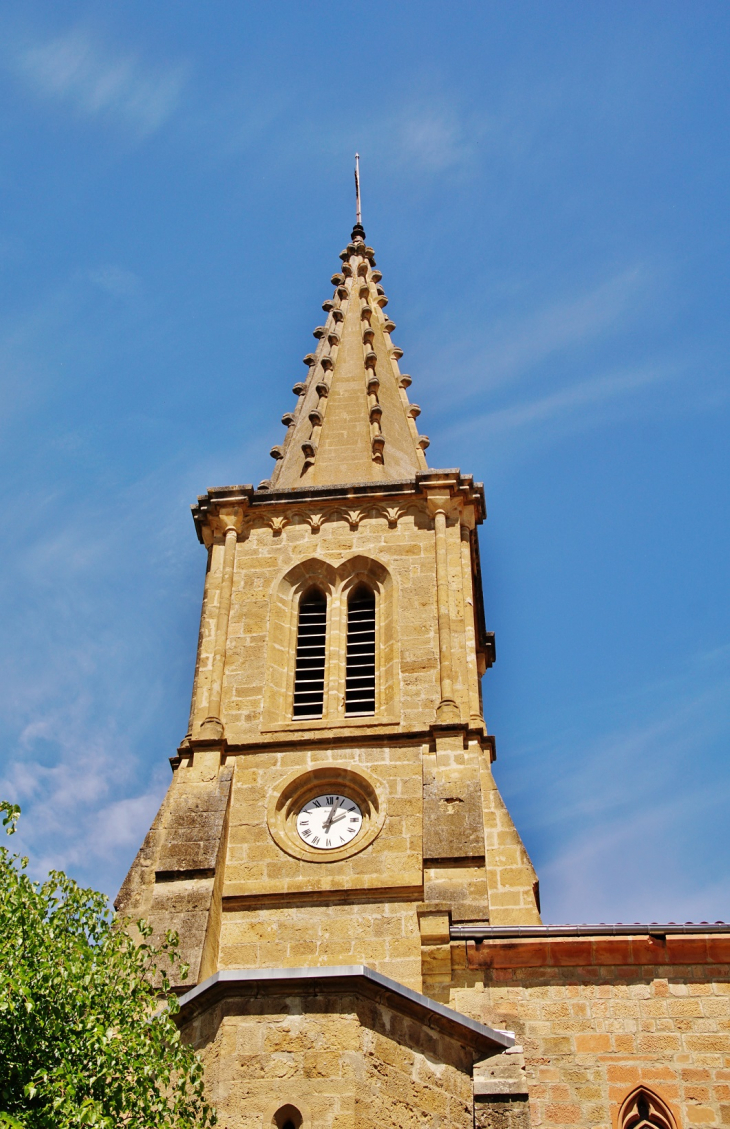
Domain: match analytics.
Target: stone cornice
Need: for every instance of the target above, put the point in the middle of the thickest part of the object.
(334, 738)
(460, 489)
(207, 510)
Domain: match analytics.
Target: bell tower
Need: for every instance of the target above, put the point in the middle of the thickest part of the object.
(332, 810)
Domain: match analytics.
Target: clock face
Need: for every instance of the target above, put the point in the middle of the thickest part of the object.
(329, 822)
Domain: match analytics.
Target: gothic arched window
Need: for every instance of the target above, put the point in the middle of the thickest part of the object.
(332, 649)
(642, 1109)
(360, 666)
(311, 639)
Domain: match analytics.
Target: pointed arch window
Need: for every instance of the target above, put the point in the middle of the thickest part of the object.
(332, 650)
(642, 1109)
(311, 640)
(360, 665)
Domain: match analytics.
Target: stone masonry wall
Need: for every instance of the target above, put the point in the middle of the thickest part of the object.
(592, 1032)
(264, 556)
(282, 911)
(256, 865)
(502, 1112)
(382, 935)
(341, 1060)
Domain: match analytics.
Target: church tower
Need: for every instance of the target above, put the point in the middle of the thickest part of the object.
(358, 912)
(332, 815)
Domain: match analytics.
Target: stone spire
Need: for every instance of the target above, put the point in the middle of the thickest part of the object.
(353, 421)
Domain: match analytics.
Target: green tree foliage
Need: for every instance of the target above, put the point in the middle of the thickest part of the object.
(86, 1039)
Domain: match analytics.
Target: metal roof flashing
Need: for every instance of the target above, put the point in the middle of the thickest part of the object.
(623, 929)
(357, 978)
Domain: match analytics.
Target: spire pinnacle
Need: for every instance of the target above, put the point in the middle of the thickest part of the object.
(353, 421)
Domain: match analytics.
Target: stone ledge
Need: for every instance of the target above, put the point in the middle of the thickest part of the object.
(488, 1087)
(267, 741)
(237, 894)
(246, 495)
(344, 896)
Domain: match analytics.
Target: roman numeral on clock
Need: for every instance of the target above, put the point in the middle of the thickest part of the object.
(316, 821)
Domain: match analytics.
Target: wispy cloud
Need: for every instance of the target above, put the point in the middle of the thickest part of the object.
(76, 69)
(630, 868)
(558, 326)
(115, 280)
(430, 137)
(78, 814)
(432, 130)
(43, 340)
(531, 366)
(95, 660)
(508, 350)
(628, 816)
(76, 715)
(417, 141)
(582, 397)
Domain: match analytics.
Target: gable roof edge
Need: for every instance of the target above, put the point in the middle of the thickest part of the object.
(353, 977)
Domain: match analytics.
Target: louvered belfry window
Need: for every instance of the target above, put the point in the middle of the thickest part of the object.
(311, 638)
(360, 670)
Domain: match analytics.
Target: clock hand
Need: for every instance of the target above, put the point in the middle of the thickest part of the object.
(326, 826)
(336, 818)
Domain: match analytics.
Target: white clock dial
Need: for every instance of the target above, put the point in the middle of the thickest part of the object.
(329, 822)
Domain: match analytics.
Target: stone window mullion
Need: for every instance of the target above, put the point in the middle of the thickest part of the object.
(336, 656)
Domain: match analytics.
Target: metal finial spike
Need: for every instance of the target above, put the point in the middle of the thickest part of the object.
(358, 208)
(358, 232)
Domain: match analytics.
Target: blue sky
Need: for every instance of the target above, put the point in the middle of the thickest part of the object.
(545, 185)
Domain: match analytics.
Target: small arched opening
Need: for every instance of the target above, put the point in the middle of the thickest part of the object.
(288, 1117)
